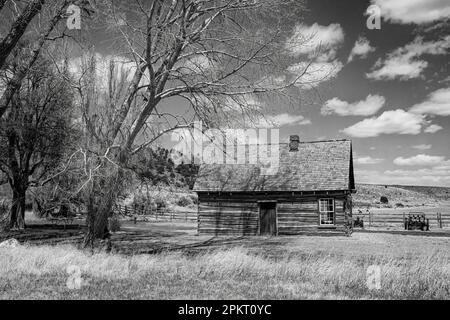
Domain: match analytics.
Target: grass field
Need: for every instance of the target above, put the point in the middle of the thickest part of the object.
(199, 267)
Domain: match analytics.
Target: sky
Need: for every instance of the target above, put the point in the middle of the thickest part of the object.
(386, 89)
(389, 91)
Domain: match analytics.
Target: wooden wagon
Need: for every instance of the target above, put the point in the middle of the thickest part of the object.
(417, 221)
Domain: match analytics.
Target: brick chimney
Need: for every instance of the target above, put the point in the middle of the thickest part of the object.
(294, 141)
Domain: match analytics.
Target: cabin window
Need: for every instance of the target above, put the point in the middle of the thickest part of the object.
(326, 211)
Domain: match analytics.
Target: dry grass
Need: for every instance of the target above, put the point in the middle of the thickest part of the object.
(333, 271)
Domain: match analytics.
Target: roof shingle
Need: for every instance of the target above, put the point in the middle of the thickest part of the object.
(316, 166)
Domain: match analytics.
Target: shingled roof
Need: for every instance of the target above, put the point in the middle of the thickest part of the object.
(316, 166)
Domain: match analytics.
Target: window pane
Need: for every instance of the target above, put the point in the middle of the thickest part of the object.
(326, 208)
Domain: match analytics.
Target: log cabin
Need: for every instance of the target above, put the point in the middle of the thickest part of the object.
(310, 192)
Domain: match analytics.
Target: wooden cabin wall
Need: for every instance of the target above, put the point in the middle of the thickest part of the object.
(238, 214)
(228, 218)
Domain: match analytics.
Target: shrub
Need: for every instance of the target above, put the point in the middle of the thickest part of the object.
(399, 205)
(160, 203)
(384, 200)
(184, 201)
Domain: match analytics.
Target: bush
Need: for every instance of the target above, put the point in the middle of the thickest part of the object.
(160, 203)
(399, 205)
(384, 200)
(184, 201)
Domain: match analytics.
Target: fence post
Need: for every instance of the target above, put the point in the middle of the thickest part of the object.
(404, 220)
(185, 216)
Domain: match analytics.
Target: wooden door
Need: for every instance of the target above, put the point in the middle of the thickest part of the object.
(268, 218)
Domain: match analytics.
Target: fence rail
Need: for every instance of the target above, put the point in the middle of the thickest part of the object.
(371, 219)
(437, 220)
(156, 214)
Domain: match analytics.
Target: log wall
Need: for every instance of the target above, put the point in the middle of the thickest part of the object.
(238, 214)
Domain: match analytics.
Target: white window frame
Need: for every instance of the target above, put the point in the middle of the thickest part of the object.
(327, 212)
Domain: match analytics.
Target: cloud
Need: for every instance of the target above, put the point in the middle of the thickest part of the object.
(368, 160)
(307, 40)
(404, 63)
(424, 177)
(419, 160)
(319, 44)
(422, 147)
(366, 107)
(283, 119)
(389, 122)
(413, 11)
(197, 64)
(123, 67)
(315, 73)
(361, 49)
(437, 103)
(433, 128)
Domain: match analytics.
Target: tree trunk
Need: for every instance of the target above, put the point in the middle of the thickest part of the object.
(18, 28)
(101, 200)
(17, 212)
(99, 209)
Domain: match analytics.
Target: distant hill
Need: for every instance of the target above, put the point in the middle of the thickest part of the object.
(442, 193)
(408, 196)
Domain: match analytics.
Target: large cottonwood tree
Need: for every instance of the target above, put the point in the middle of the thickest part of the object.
(217, 58)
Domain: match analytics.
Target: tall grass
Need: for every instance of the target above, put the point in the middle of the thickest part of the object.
(236, 273)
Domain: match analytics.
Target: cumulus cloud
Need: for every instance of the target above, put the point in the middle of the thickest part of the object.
(404, 63)
(419, 160)
(283, 119)
(424, 177)
(361, 49)
(307, 40)
(366, 107)
(422, 146)
(197, 64)
(123, 67)
(389, 122)
(368, 160)
(413, 11)
(315, 73)
(319, 44)
(433, 128)
(437, 103)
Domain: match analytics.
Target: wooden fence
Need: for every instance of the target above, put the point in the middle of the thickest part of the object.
(136, 211)
(371, 218)
(437, 220)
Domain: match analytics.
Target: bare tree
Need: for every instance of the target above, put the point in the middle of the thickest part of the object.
(33, 134)
(52, 15)
(218, 57)
(18, 28)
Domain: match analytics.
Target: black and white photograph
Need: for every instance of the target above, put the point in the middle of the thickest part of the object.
(227, 157)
